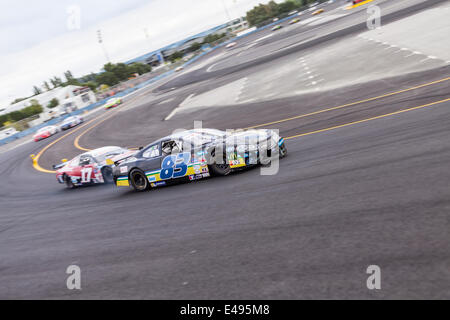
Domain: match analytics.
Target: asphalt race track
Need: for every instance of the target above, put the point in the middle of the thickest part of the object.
(366, 182)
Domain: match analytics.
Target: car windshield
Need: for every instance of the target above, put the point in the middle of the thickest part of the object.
(199, 138)
(69, 120)
(43, 129)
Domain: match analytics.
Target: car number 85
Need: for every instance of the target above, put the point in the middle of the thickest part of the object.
(175, 166)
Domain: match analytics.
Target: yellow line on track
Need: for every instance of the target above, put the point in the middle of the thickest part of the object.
(353, 6)
(36, 158)
(368, 119)
(77, 139)
(349, 104)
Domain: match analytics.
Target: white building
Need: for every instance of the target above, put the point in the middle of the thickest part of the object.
(70, 98)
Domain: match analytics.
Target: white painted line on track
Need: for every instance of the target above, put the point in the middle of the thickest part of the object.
(174, 111)
(211, 67)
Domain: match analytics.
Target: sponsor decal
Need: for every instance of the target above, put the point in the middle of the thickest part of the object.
(198, 176)
(124, 169)
(237, 163)
(158, 184)
(122, 182)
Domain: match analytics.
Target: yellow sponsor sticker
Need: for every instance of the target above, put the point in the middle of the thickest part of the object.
(237, 163)
(122, 183)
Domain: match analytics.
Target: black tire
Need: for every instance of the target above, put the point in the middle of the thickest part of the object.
(139, 180)
(283, 151)
(69, 183)
(222, 169)
(107, 174)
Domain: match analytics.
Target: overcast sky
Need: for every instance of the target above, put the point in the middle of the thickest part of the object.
(41, 39)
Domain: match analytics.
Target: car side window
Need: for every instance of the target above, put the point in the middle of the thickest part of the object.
(152, 152)
(171, 147)
(86, 160)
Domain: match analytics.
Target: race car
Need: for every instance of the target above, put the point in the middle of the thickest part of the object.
(113, 102)
(277, 27)
(294, 21)
(45, 132)
(91, 167)
(357, 1)
(197, 154)
(71, 122)
(317, 12)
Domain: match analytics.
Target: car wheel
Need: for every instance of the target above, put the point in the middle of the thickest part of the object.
(107, 174)
(220, 169)
(139, 180)
(69, 183)
(283, 151)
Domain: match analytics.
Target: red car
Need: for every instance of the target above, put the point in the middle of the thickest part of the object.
(45, 132)
(357, 1)
(91, 167)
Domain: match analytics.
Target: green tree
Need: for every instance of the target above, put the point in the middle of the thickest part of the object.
(46, 86)
(53, 103)
(175, 56)
(56, 82)
(139, 68)
(92, 85)
(36, 90)
(195, 46)
(3, 119)
(68, 75)
(273, 9)
(287, 6)
(18, 100)
(108, 78)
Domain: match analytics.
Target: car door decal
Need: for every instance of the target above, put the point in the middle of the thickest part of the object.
(174, 166)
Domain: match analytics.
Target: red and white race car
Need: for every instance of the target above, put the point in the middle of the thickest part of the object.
(91, 167)
(45, 132)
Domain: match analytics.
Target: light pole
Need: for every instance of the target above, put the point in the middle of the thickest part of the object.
(226, 10)
(147, 36)
(100, 41)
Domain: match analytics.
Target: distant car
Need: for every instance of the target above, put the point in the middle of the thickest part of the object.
(231, 45)
(91, 167)
(275, 19)
(294, 21)
(180, 68)
(113, 102)
(317, 12)
(71, 122)
(277, 27)
(45, 132)
(292, 12)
